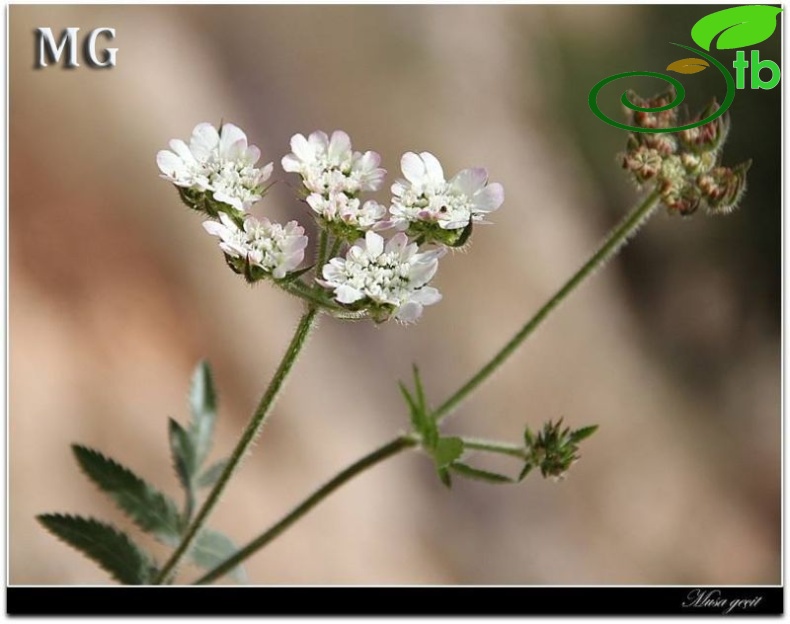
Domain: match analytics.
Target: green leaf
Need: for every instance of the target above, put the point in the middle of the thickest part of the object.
(524, 471)
(581, 434)
(106, 545)
(151, 510)
(212, 548)
(422, 422)
(740, 27)
(203, 405)
(447, 450)
(211, 474)
(183, 453)
(419, 389)
(481, 475)
(444, 477)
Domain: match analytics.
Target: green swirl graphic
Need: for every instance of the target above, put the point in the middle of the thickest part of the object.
(680, 95)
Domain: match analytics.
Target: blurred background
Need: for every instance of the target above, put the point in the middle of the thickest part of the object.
(674, 350)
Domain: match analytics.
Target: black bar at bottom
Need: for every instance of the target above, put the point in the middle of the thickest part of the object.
(394, 601)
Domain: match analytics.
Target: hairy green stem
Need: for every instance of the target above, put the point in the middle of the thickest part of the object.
(250, 433)
(371, 459)
(611, 245)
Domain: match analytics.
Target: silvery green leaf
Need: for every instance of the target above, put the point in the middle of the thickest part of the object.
(211, 474)
(212, 548)
(203, 406)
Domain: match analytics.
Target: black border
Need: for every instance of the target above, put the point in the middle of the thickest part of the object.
(392, 601)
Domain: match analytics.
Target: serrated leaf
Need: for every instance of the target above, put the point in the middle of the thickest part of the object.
(212, 548)
(183, 453)
(447, 450)
(211, 474)
(106, 545)
(481, 475)
(584, 432)
(739, 27)
(203, 406)
(151, 510)
(688, 66)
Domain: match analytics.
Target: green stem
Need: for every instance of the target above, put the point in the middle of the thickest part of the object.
(613, 243)
(492, 446)
(250, 433)
(320, 256)
(333, 251)
(393, 447)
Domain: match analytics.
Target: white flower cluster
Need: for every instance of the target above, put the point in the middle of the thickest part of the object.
(391, 276)
(381, 278)
(215, 167)
(424, 198)
(334, 175)
(271, 247)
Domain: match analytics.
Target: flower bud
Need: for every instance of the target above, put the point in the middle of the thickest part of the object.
(661, 119)
(723, 187)
(709, 137)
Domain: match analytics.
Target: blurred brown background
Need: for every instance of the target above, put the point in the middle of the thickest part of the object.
(116, 292)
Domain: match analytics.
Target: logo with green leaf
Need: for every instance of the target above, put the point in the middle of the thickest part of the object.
(736, 27)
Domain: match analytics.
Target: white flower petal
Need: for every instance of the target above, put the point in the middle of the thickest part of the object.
(433, 169)
(413, 168)
(204, 141)
(374, 244)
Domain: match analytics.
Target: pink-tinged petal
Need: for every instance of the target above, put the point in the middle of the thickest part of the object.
(231, 139)
(469, 181)
(204, 141)
(409, 312)
(368, 161)
(397, 243)
(339, 146)
(302, 150)
(489, 199)
(433, 168)
(252, 154)
(413, 168)
(235, 151)
(374, 244)
(347, 294)
(319, 141)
